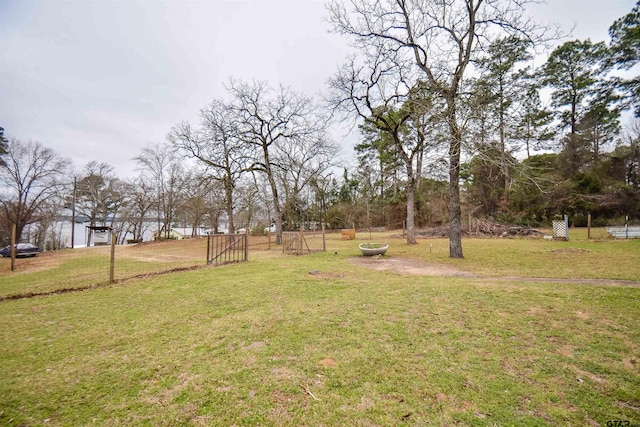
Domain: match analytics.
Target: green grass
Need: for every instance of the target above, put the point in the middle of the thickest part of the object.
(577, 258)
(89, 267)
(267, 343)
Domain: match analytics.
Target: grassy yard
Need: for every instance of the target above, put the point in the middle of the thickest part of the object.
(268, 343)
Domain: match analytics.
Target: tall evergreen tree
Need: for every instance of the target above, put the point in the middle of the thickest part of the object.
(576, 72)
(625, 51)
(377, 151)
(504, 81)
(534, 122)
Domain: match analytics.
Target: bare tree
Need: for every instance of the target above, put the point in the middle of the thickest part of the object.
(218, 146)
(215, 199)
(248, 205)
(4, 143)
(99, 194)
(298, 163)
(267, 119)
(195, 206)
(32, 175)
(442, 38)
(139, 203)
(163, 169)
(263, 198)
(383, 93)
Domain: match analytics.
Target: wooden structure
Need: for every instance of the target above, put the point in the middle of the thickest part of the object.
(99, 235)
(349, 234)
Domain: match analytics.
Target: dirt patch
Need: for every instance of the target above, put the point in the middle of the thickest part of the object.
(328, 362)
(582, 315)
(415, 267)
(282, 372)
(566, 351)
(410, 267)
(254, 345)
(44, 261)
(326, 275)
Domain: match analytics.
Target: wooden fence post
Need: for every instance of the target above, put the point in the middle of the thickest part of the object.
(14, 228)
(208, 249)
(300, 237)
(112, 261)
(246, 245)
(324, 241)
(589, 226)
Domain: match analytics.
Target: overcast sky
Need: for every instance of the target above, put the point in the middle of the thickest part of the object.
(99, 80)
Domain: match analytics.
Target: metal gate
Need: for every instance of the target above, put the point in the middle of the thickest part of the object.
(227, 248)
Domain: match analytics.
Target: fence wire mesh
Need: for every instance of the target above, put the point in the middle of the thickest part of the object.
(81, 268)
(303, 242)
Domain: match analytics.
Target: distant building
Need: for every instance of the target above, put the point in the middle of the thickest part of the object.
(179, 233)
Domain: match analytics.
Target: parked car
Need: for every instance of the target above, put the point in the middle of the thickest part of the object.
(22, 250)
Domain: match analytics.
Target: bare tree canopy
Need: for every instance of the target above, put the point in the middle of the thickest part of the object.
(217, 145)
(164, 171)
(269, 119)
(3, 145)
(382, 91)
(32, 176)
(99, 193)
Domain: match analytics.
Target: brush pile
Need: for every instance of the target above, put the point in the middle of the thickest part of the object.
(483, 228)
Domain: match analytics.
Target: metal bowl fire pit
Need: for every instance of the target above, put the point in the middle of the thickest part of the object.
(371, 249)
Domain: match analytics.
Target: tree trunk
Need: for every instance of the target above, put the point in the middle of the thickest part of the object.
(228, 190)
(411, 204)
(455, 222)
(411, 230)
(503, 146)
(278, 213)
(274, 193)
(19, 231)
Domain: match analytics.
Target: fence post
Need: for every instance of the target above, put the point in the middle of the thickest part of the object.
(208, 249)
(566, 226)
(300, 237)
(246, 245)
(324, 242)
(112, 262)
(626, 226)
(589, 226)
(14, 228)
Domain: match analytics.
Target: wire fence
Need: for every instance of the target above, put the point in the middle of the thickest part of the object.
(81, 268)
(303, 242)
(68, 270)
